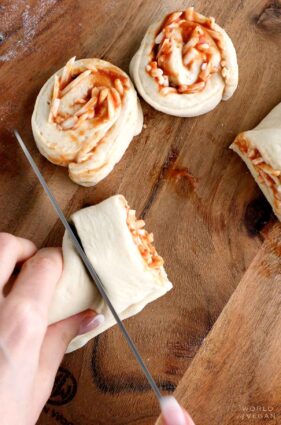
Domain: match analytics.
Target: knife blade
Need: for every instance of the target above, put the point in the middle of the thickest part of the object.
(96, 279)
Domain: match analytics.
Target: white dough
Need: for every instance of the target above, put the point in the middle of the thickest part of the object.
(217, 87)
(266, 138)
(92, 149)
(129, 282)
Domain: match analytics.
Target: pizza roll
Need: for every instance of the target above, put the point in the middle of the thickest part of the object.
(185, 65)
(260, 148)
(122, 253)
(85, 117)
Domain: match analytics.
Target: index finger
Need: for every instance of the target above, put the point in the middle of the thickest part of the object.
(173, 413)
(12, 250)
(38, 278)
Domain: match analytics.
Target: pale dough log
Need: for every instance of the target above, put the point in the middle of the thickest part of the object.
(130, 283)
(260, 148)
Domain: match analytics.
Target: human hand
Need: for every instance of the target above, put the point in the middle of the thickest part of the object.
(30, 350)
(173, 413)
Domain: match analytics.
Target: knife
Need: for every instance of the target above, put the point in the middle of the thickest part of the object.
(90, 269)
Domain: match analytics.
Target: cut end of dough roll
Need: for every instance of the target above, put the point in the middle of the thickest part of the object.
(123, 254)
(260, 149)
(185, 65)
(85, 117)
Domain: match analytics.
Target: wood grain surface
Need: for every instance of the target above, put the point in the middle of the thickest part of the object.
(208, 234)
(235, 377)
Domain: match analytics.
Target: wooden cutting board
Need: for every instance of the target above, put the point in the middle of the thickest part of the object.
(235, 377)
(208, 233)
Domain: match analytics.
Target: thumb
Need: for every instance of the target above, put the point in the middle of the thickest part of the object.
(56, 341)
(60, 334)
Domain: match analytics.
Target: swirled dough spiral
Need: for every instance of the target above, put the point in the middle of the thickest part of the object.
(85, 117)
(123, 254)
(185, 65)
(260, 148)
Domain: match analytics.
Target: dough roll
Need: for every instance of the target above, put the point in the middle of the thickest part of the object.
(185, 65)
(122, 252)
(85, 117)
(260, 149)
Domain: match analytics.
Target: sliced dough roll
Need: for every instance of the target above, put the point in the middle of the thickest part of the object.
(260, 148)
(185, 65)
(124, 257)
(85, 117)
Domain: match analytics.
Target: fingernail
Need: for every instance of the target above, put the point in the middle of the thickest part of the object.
(173, 413)
(89, 324)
